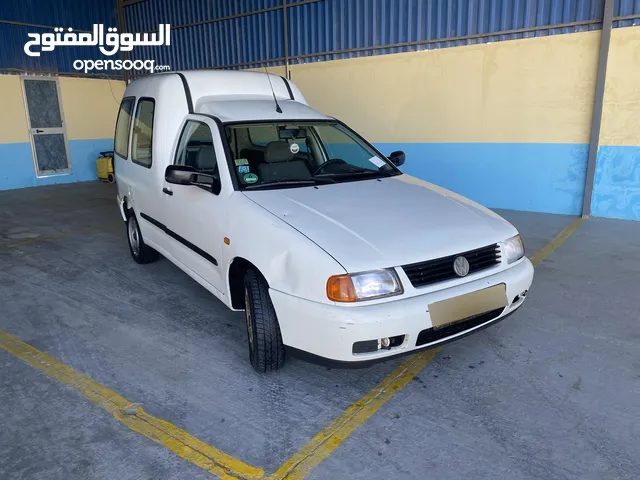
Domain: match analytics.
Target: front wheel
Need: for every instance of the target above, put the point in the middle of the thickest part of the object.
(140, 251)
(266, 351)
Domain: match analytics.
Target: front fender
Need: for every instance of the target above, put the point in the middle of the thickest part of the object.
(290, 262)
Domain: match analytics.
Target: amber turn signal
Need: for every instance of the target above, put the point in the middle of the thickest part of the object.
(340, 289)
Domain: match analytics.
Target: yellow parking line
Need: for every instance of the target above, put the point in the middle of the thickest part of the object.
(558, 240)
(164, 433)
(330, 438)
(55, 237)
(325, 442)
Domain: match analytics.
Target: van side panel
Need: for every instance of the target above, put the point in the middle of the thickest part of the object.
(141, 186)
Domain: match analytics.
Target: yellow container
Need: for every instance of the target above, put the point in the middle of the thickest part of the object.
(104, 165)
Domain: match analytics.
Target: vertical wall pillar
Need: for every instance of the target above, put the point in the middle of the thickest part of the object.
(121, 29)
(285, 34)
(594, 142)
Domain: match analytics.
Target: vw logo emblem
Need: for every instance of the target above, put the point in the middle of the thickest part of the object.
(461, 266)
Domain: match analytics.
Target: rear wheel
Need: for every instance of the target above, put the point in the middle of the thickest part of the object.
(140, 251)
(266, 351)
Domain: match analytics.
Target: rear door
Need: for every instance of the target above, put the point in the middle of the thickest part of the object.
(46, 126)
(143, 173)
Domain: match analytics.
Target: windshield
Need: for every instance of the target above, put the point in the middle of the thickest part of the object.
(295, 154)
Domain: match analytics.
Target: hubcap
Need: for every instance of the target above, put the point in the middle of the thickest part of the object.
(247, 315)
(134, 238)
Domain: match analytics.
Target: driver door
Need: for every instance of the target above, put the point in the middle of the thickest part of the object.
(195, 216)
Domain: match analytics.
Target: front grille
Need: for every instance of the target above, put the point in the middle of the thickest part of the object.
(434, 334)
(441, 269)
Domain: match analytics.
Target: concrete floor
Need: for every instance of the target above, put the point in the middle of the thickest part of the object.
(553, 392)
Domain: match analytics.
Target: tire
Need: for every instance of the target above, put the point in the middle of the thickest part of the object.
(266, 350)
(140, 251)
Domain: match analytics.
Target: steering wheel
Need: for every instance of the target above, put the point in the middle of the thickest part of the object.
(333, 161)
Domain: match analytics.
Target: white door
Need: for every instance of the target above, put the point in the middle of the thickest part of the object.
(46, 125)
(195, 217)
(143, 173)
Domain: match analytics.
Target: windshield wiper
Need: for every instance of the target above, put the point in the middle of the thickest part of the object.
(291, 181)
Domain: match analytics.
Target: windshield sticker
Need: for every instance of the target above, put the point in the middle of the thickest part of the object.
(243, 169)
(377, 162)
(241, 161)
(250, 178)
(295, 148)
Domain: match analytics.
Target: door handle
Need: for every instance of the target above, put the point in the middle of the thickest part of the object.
(167, 191)
(39, 131)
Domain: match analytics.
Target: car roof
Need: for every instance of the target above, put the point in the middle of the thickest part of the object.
(232, 96)
(259, 108)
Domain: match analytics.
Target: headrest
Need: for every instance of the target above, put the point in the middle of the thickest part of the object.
(206, 158)
(278, 152)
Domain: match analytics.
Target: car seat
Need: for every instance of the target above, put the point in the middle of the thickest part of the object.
(206, 159)
(280, 163)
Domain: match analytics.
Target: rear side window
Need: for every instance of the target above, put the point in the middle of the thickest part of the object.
(121, 143)
(143, 132)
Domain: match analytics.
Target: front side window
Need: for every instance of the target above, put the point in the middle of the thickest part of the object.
(121, 142)
(301, 153)
(196, 148)
(141, 145)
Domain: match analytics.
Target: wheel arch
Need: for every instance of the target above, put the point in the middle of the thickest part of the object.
(235, 279)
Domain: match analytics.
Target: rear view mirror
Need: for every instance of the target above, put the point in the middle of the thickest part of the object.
(397, 158)
(179, 174)
(291, 133)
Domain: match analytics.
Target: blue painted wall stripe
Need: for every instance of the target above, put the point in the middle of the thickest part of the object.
(616, 190)
(17, 169)
(538, 177)
(521, 176)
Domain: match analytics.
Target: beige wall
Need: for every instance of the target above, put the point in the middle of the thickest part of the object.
(531, 90)
(277, 70)
(621, 110)
(13, 119)
(90, 106)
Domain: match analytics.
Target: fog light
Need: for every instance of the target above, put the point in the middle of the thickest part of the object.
(371, 346)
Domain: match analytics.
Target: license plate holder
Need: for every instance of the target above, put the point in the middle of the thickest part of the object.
(452, 310)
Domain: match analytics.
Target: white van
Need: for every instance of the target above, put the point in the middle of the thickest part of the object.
(291, 216)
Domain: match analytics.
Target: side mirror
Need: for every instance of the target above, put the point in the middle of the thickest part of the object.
(179, 174)
(185, 175)
(216, 184)
(397, 158)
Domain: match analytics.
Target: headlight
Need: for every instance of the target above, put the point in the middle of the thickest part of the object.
(364, 286)
(513, 249)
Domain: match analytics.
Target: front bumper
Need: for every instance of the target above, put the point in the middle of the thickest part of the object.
(330, 331)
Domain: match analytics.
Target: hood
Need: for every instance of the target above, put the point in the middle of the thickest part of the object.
(393, 221)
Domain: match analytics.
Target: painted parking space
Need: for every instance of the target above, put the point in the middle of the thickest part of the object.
(162, 342)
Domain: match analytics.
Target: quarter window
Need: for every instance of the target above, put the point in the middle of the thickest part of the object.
(121, 143)
(141, 150)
